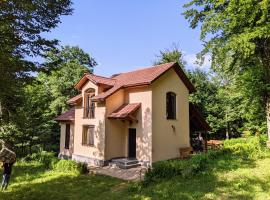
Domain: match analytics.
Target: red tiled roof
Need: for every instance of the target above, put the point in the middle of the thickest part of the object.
(95, 79)
(67, 116)
(124, 111)
(75, 99)
(144, 77)
(101, 80)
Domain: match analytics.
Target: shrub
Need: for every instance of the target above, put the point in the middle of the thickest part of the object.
(67, 166)
(244, 148)
(168, 169)
(48, 159)
(247, 148)
(83, 168)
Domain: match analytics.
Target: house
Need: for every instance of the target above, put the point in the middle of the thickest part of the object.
(143, 114)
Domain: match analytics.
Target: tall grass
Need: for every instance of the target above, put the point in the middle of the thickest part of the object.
(243, 148)
(50, 162)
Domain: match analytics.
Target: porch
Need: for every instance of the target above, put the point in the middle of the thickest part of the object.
(125, 138)
(132, 174)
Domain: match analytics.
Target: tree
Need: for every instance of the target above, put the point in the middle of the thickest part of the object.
(67, 67)
(170, 55)
(21, 26)
(237, 35)
(34, 127)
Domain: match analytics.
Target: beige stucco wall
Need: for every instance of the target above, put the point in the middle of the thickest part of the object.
(96, 151)
(115, 129)
(143, 127)
(166, 142)
(63, 151)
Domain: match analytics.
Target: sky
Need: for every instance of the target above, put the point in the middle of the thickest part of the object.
(125, 35)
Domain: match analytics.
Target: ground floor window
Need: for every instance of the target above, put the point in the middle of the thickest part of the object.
(88, 135)
(67, 138)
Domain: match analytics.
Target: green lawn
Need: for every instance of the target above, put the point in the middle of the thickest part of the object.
(226, 178)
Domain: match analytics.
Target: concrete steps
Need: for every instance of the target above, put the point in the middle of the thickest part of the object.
(125, 163)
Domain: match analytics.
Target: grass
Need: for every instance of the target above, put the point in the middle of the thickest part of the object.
(227, 177)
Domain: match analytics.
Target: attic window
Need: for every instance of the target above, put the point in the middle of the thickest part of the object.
(89, 105)
(171, 105)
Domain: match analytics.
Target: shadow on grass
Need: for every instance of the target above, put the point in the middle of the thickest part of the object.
(65, 187)
(223, 179)
(219, 181)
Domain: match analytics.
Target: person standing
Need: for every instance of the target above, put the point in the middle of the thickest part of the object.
(6, 174)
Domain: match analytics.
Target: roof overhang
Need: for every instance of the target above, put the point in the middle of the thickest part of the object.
(68, 116)
(125, 112)
(75, 100)
(197, 121)
(97, 80)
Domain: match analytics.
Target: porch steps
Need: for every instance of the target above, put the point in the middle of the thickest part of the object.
(125, 163)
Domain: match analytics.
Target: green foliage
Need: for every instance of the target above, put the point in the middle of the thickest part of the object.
(22, 26)
(47, 159)
(67, 166)
(243, 148)
(236, 35)
(226, 178)
(170, 55)
(83, 168)
(185, 168)
(34, 128)
(247, 148)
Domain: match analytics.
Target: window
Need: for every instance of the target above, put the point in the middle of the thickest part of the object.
(67, 138)
(88, 136)
(89, 106)
(171, 105)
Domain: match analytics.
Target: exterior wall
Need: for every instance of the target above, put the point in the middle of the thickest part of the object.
(115, 129)
(143, 127)
(166, 141)
(155, 138)
(91, 154)
(66, 153)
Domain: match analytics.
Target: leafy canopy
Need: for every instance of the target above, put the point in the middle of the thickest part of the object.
(237, 35)
(21, 26)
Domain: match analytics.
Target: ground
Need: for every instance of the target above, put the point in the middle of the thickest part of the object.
(226, 179)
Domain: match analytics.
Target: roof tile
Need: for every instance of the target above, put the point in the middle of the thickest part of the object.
(124, 111)
(67, 116)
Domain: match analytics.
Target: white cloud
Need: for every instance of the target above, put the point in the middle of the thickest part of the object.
(192, 61)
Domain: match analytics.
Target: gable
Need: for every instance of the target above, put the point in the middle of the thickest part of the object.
(170, 81)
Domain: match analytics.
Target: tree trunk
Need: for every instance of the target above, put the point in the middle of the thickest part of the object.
(268, 120)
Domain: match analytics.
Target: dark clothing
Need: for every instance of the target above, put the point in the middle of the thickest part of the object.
(6, 175)
(5, 181)
(7, 168)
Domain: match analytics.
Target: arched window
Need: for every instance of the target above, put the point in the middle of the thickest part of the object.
(171, 105)
(89, 106)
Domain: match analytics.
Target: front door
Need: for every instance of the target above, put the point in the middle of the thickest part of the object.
(132, 143)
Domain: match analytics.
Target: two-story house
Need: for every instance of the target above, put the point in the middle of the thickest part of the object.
(143, 114)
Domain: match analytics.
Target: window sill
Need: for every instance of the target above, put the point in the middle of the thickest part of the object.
(88, 145)
(171, 119)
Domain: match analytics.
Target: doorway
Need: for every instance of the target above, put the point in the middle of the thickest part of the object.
(132, 143)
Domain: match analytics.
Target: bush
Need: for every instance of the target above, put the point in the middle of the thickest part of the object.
(67, 166)
(83, 168)
(48, 159)
(70, 166)
(247, 148)
(244, 148)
